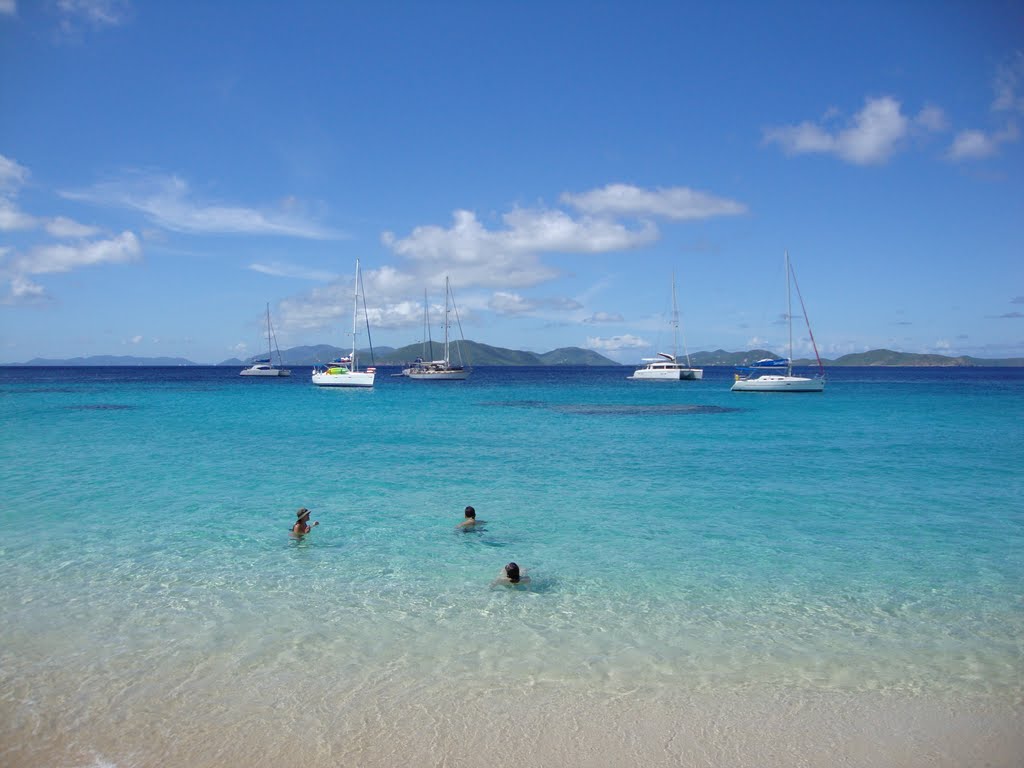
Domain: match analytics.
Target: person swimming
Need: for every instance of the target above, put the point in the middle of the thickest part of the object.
(470, 521)
(512, 575)
(302, 525)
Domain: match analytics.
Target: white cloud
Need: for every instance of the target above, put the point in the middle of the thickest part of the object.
(679, 203)
(974, 145)
(135, 340)
(23, 290)
(17, 267)
(8, 7)
(1007, 83)
(12, 175)
(604, 317)
(507, 303)
(168, 202)
(49, 259)
(101, 13)
(872, 136)
(616, 343)
(283, 269)
(504, 258)
(508, 257)
(329, 307)
(13, 218)
(64, 228)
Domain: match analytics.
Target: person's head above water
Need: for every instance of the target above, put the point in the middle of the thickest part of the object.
(471, 513)
(302, 515)
(512, 572)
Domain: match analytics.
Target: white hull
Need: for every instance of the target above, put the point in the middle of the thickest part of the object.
(666, 367)
(438, 370)
(447, 375)
(771, 383)
(667, 374)
(262, 371)
(344, 379)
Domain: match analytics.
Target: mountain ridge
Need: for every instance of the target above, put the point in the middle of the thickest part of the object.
(476, 353)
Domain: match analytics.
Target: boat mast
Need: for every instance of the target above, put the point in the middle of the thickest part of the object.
(355, 315)
(675, 320)
(447, 363)
(426, 330)
(807, 320)
(789, 320)
(270, 349)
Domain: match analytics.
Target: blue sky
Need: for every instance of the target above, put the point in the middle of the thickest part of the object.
(166, 169)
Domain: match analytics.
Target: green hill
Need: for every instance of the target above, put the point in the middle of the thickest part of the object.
(911, 359)
(112, 360)
(475, 353)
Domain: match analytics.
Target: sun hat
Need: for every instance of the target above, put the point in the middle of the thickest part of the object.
(303, 512)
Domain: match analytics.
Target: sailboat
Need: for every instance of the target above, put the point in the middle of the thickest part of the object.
(344, 371)
(760, 377)
(441, 370)
(666, 367)
(265, 367)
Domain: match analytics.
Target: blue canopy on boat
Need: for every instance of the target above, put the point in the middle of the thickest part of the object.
(766, 363)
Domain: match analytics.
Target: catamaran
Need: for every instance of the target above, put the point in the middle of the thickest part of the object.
(760, 377)
(440, 370)
(344, 371)
(265, 367)
(666, 367)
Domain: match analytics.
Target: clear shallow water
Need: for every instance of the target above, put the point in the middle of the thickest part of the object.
(679, 538)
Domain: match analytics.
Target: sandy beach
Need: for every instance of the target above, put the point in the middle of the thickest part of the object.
(317, 724)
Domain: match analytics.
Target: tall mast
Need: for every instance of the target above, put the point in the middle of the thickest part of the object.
(355, 315)
(789, 319)
(270, 349)
(426, 329)
(446, 291)
(675, 320)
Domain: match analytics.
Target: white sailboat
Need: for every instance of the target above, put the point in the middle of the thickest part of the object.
(666, 367)
(266, 367)
(441, 370)
(344, 372)
(760, 376)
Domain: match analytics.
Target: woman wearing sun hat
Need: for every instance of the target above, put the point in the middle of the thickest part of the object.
(302, 525)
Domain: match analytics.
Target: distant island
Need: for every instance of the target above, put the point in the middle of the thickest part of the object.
(876, 357)
(474, 353)
(109, 360)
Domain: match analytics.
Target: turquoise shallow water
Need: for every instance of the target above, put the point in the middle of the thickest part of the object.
(678, 536)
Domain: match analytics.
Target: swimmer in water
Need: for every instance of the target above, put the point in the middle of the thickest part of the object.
(470, 521)
(302, 525)
(511, 575)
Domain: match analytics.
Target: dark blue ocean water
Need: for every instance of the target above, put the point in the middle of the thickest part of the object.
(678, 536)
